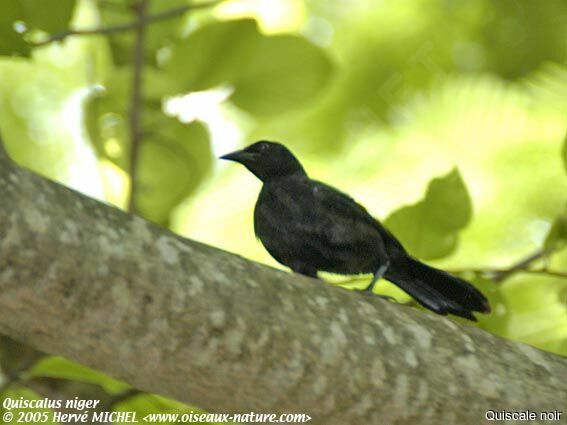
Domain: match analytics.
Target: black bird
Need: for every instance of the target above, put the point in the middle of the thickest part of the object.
(310, 227)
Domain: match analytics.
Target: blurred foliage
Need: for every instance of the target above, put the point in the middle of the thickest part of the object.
(423, 110)
(430, 228)
(269, 75)
(58, 367)
(565, 148)
(557, 236)
(19, 16)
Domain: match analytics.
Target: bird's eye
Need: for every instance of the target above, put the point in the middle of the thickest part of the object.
(263, 147)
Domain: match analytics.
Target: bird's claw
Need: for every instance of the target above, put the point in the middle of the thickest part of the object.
(368, 291)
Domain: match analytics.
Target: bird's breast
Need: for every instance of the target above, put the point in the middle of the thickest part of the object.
(278, 208)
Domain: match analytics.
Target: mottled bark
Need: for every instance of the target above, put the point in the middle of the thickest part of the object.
(169, 315)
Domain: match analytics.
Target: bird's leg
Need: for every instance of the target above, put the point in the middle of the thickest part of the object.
(377, 276)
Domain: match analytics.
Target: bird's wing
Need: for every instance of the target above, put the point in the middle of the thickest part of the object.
(337, 204)
(305, 222)
(340, 216)
(340, 205)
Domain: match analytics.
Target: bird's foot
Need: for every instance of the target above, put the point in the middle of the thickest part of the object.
(377, 276)
(368, 291)
(387, 298)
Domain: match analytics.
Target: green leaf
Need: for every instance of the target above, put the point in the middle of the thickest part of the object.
(557, 235)
(58, 367)
(270, 75)
(429, 229)
(11, 42)
(542, 30)
(47, 15)
(214, 54)
(284, 72)
(172, 162)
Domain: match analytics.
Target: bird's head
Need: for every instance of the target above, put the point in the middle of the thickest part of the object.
(267, 160)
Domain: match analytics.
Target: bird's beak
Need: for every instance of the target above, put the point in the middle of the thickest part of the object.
(240, 156)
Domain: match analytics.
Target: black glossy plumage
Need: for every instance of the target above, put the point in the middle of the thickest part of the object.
(310, 227)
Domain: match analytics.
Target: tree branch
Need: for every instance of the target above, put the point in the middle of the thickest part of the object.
(522, 265)
(548, 272)
(168, 315)
(499, 275)
(494, 273)
(129, 26)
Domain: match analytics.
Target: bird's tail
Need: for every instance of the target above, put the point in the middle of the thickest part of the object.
(438, 290)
